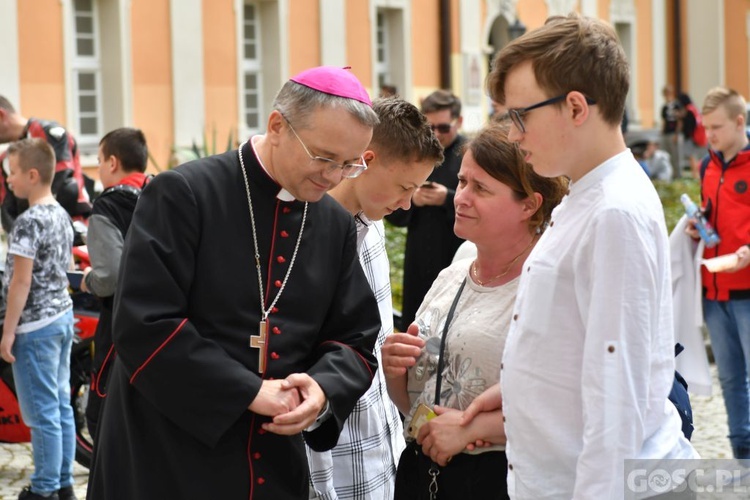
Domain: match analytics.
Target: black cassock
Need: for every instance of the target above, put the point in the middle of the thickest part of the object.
(175, 424)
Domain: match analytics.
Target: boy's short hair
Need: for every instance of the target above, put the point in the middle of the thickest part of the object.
(440, 100)
(403, 132)
(732, 101)
(35, 153)
(129, 146)
(570, 53)
(6, 105)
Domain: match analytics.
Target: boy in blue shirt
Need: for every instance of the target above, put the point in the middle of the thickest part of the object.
(38, 326)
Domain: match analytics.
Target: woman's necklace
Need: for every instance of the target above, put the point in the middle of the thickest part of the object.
(507, 269)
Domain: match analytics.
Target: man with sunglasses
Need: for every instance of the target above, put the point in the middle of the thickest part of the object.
(430, 240)
(243, 320)
(589, 359)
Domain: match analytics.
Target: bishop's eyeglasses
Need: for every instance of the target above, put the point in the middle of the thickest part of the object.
(516, 115)
(348, 170)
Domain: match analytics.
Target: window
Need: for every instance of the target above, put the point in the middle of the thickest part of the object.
(86, 73)
(382, 60)
(391, 45)
(251, 66)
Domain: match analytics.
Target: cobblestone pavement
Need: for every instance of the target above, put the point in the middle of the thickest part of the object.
(710, 418)
(709, 439)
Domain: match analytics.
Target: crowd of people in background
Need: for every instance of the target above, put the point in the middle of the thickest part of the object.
(246, 346)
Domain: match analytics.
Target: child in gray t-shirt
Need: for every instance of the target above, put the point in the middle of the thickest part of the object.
(38, 325)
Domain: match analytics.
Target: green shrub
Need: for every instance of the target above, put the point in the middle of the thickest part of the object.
(670, 192)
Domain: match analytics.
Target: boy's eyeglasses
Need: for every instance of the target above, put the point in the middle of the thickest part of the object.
(443, 128)
(516, 115)
(348, 170)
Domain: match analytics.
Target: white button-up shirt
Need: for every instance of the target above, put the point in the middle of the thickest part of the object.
(589, 359)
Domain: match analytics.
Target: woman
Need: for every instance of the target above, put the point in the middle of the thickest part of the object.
(502, 206)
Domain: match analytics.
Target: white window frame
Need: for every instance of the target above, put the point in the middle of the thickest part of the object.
(82, 65)
(382, 46)
(395, 66)
(251, 66)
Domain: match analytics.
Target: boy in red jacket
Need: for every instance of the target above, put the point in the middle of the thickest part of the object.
(726, 294)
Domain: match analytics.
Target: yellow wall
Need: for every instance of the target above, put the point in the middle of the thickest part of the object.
(220, 70)
(533, 13)
(41, 59)
(304, 35)
(736, 46)
(152, 76)
(602, 8)
(425, 42)
(358, 45)
(644, 49)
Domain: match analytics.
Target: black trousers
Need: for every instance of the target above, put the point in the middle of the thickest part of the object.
(466, 476)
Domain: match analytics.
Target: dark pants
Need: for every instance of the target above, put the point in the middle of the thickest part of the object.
(466, 476)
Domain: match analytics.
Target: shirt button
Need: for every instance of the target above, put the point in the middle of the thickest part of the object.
(284, 234)
(261, 480)
(501, 366)
(280, 259)
(256, 456)
(551, 223)
(503, 418)
(611, 348)
(515, 317)
(277, 283)
(528, 269)
(510, 466)
(276, 330)
(274, 355)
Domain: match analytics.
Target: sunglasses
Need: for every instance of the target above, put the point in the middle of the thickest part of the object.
(442, 128)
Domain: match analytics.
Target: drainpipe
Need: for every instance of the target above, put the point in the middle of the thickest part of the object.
(677, 45)
(445, 44)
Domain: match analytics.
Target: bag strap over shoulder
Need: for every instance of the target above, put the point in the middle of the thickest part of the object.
(448, 319)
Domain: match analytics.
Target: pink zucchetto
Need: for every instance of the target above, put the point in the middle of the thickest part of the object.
(334, 81)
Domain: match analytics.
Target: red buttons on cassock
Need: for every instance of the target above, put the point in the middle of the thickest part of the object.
(261, 480)
(256, 456)
(284, 234)
(261, 431)
(274, 355)
(276, 330)
(277, 283)
(286, 210)
(274, 310)
(280, 259)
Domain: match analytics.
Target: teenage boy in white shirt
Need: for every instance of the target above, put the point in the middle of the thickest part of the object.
(589, 360)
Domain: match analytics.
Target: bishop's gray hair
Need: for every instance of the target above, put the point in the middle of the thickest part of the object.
(297, 102)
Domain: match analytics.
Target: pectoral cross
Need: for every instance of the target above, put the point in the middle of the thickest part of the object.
(259, 342)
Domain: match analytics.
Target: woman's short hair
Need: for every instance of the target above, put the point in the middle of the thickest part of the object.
(504, 161)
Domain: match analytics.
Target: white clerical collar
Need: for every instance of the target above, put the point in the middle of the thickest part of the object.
(283, 194)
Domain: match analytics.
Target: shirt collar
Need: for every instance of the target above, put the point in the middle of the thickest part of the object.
(283, 194)
(599, 172)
